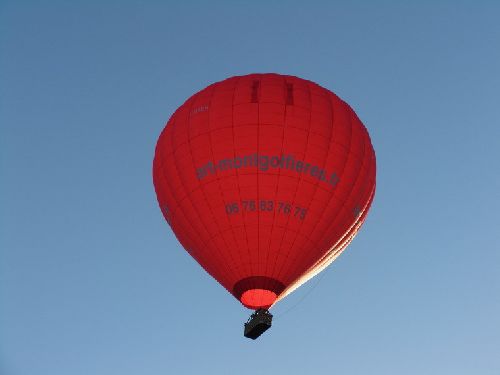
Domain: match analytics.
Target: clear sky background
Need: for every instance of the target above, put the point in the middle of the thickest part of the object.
(92, 280)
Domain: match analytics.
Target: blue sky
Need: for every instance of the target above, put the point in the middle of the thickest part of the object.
(92, 281)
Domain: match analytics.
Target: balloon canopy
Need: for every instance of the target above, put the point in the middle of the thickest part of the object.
(264, 179)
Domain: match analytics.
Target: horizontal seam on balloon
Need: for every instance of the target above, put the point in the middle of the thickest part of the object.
(178, 146)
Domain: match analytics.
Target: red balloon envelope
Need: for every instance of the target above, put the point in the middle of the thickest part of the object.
(264, 179)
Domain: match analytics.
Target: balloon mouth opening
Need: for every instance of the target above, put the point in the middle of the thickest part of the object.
(258, 292)
(258, 298)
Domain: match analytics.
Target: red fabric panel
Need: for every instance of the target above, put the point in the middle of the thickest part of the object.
(263, 177)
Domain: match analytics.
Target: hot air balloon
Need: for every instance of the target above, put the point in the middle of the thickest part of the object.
(264, 179)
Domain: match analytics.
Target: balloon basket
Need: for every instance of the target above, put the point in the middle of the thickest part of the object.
(258, 323)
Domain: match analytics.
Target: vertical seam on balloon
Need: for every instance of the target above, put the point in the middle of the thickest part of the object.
(243, 215)
(316, 185)
(258, 171)
(187, 196)
(340, 179)
(278, 182)
(188, 193)
(367, 160)
(298, 229)
(173, 192)
(234, 270)
(289, 94)
(342, 243)
(345, 239)
(255, 91)
(348, 234)
(163, 175)
(363, 160)
(321, 239)
(224, 265)
(341, 174)
(313, 196)
(342, 240)
(296, 191)
(182, 239)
